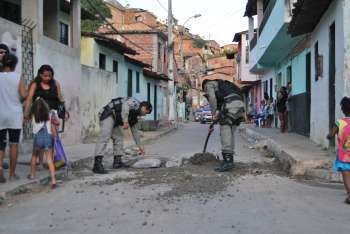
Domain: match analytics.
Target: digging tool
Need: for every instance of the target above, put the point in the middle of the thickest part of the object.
(201, 158)
(211, 126)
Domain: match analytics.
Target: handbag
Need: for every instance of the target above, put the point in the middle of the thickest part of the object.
(62, 114)
(60, 159)
(61, 110)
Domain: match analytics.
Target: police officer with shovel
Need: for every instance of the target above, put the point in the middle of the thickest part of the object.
(228, 109)
(118, 114)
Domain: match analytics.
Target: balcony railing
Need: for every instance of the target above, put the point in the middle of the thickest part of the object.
(267, 14)
(253, 42)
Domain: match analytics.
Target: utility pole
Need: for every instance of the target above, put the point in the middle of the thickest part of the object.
(171, 83)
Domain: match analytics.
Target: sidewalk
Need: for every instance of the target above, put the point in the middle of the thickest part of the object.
(298, 154)
(76, 154)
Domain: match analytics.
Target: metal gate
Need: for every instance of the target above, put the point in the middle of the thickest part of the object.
(27, 65)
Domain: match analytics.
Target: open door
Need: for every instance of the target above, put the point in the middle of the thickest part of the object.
(308, 93)
(155, 102)
(332, 57)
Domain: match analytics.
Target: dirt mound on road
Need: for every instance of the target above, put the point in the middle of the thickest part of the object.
(200, 158)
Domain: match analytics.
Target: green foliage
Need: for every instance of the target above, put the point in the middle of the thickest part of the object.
(97, 8)
(199, 43)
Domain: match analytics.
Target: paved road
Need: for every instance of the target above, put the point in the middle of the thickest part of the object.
(255, 198)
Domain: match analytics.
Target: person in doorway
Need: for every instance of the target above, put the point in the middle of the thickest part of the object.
(48, 88)
(342, 161)
(266, 97)
(228, 108)
(120, 113)
(4, 50)
(12, 91)
(271, 113)
(281, 108)
(289, 106)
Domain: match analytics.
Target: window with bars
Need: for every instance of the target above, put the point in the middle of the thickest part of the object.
(64, 33)
(316, 58)
(10, 11)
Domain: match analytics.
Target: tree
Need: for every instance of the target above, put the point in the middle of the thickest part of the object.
(99, 10)
(199, 43)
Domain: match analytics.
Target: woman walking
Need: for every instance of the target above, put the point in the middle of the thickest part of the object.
(12, 90)
(47, 88)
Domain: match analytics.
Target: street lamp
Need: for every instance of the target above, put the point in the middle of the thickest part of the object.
(181, 39)
(181, 48)
(192, 17)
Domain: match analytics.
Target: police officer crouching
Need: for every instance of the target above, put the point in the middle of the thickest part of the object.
(228, 108)
(118, 114)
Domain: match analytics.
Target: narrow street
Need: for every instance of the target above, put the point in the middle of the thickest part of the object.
(256, 197)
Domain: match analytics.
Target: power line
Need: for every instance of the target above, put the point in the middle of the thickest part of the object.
(111, 25)
(227, 14)
(235, 12)
(162, 6)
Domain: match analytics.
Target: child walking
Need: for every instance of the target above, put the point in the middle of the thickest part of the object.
(44, 129)
(342, 129)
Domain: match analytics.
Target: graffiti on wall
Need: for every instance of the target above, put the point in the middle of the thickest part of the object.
(11, 40)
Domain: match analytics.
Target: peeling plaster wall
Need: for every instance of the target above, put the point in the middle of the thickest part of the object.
(320, 88)
(66, 64)
(346, 28)
(98, 87)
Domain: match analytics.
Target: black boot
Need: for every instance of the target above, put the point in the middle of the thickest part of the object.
(98, 166)
(227, 163)
(118, 163)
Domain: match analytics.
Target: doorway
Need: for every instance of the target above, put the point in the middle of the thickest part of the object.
(331, 85)
(155, 102)
(129, 83)
(308, 93)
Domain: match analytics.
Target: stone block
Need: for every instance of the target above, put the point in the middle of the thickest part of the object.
(147, 163)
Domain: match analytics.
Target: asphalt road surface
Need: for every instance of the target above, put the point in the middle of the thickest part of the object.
(256, 197)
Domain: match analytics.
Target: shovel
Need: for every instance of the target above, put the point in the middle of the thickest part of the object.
(201, 158)
(211, 126)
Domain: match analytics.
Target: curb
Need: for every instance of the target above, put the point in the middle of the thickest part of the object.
(310, 169)
(24, 188)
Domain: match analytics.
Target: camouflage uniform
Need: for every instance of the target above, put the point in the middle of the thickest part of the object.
(231, 108)
(112, 117)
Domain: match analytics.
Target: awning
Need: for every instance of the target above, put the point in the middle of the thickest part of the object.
(137, 62)
(250, 9)
(306, 15)
(110, 43)
(155, 75)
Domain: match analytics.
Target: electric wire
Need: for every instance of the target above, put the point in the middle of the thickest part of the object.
(111, 25)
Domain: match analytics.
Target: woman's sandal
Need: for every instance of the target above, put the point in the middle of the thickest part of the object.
(347, 201)
(53, 186)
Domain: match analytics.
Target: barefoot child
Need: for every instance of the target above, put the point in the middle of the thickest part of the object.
(44, 129)
(342, 129)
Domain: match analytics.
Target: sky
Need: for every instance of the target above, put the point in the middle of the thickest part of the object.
(220, 19)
